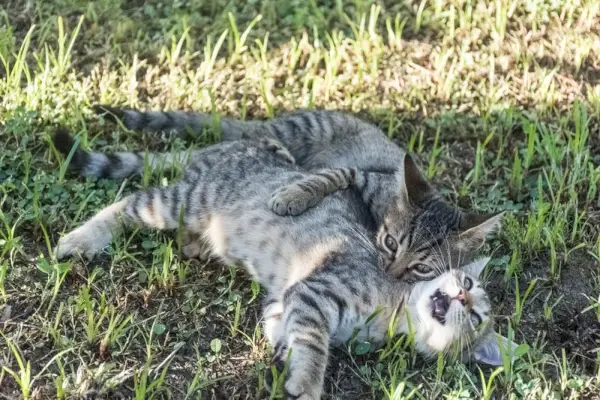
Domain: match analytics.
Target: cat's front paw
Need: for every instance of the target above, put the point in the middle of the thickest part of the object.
(278, 364)
(299, 383)
(291, 200)
(87, 240)
(292, 388)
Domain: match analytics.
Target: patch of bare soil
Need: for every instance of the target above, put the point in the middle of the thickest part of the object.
(569, 327)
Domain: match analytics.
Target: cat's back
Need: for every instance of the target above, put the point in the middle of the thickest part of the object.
(350, 142)
(238, 163)
(253, 174)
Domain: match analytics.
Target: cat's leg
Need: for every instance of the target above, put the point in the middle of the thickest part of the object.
(94, 235)
(157, 208)
(297, 197)
(271, 318)
(303, 336)
(195, 246)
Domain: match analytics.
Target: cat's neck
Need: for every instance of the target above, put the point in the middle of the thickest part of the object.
(378, 189)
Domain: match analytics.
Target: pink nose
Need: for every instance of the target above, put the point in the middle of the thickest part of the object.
(462, 297)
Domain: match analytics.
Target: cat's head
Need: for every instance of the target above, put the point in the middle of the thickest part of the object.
(452, 314)
(422, 234)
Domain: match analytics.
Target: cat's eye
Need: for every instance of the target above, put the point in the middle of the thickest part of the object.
(468, 283)
(475, 319)
(422, 268)
(390, 243)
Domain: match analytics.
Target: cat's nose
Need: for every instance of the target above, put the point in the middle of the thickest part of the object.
(465, 298)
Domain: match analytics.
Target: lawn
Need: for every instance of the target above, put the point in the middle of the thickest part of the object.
(498, 100)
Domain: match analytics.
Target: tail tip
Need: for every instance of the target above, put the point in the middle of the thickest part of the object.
(63, 141)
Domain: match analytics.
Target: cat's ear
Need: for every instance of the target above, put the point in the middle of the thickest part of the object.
(475, 228)
(490, 348)
(416, 187)
(474, 268)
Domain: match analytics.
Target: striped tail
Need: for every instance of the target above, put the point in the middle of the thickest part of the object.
(117, 165)
(181, 123)
(302, 133)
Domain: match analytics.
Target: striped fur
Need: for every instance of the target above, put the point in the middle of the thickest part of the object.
(320, 269)
(418, 231)
(121, 165)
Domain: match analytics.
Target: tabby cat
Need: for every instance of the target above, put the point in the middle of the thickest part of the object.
(321, 271)
(417, 231)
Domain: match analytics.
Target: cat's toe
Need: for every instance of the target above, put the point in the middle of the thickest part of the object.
(286, 156)
(195, 250)
(278, 205)
(288, 202)
(296, 206)
(303, 396)
(298, 202)
(280, 355)
(295, 392)
(276, 369)
(72, 245)
(191, 250)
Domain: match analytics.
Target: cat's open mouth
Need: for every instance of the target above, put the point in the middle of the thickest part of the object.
(440, 302)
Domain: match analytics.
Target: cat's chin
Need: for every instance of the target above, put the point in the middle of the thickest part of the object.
(436, 326)
(433, 336)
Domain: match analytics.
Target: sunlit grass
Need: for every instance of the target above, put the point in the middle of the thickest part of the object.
(499, 100)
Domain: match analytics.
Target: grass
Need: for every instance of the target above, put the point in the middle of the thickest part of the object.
(500, 101)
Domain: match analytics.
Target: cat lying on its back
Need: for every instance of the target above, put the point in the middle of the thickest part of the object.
(417, 231)
(320, 270)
